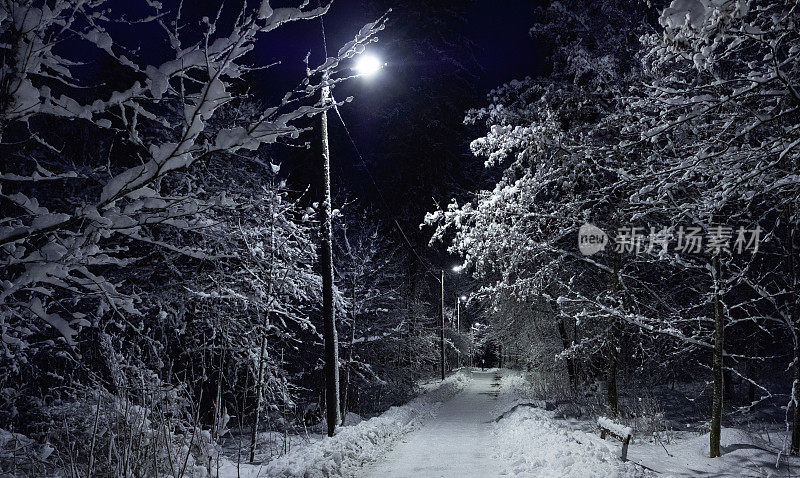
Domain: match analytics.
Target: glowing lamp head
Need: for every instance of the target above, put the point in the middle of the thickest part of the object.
(457, 268)
(367, 65)
(463, 298)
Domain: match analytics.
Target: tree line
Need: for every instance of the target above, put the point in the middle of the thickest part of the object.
(652, 119)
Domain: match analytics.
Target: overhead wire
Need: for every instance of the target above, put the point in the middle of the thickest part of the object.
(423, 262)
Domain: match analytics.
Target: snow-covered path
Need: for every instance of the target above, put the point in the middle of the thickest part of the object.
(457, 443)
(481, 433)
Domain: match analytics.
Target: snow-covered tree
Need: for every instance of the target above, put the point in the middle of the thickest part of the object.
(554, 136)
(144, 232)
(370, 270)
(721, 112)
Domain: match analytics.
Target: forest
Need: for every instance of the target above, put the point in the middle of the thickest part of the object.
(279, 238)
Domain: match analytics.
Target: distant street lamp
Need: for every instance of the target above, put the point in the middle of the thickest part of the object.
(441, 327)
(365, 65)
(455, 269)
(459, 300)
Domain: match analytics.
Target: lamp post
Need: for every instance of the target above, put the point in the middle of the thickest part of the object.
(441, 327)
(460, 299)
(326, 261)
(471, 346)
(456, 269)
(365, 65)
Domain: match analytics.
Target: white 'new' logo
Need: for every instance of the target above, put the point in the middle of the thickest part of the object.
(591, 239)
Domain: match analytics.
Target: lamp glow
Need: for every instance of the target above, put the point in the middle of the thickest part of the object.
(463, 298)
(457, 268)
(367, 65)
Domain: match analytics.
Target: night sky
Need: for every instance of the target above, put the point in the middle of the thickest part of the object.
(446, 57)
(442, 59)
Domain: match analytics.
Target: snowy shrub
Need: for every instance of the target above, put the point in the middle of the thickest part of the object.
(647, 417)
(22, 455)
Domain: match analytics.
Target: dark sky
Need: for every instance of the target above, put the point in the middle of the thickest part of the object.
(488, 38)
(442, 58)
(497, 29)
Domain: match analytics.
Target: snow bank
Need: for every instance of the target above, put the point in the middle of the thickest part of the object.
(353, 446)
(744, 454)
(532, 443)
(515, 385)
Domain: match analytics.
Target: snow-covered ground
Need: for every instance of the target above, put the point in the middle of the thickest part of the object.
(744, 454)
(355, 446)
(457, 443)
(531, 442)
(485, 424)
(487, 431)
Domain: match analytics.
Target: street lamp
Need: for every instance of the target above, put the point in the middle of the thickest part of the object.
(441, 326)
(459, 300)
(365, 65)
(456, 269)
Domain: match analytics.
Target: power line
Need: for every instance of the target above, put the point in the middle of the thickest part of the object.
(322, 26)
(366, 168)
(380, 192)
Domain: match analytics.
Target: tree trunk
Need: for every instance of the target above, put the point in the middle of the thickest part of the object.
(795, 449)
(562, 332)
(717, 364)
(611, 373)
(262, 355)
(257, 408)
(326, 259)
(500, 353)
(218, 397)
(612, 356)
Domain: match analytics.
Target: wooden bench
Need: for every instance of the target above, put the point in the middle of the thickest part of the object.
(622, 433)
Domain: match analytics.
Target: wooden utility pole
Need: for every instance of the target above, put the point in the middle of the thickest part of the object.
(458, 314)
(441, 328)
(458, 328)
(326, 261)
